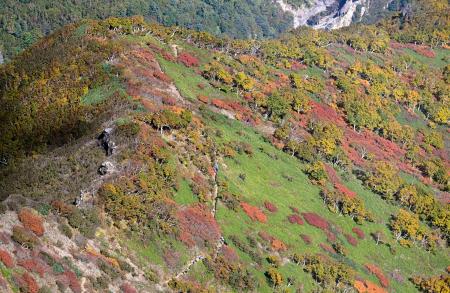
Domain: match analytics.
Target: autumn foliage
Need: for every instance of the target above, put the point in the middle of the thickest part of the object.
(317, 221)
(254, 213)
(350, 239)
(366, 286)
(6, 258)
(74, 284)
(127, 288)
(188, 59)
(278, 245)
(306, 238)
(384, 281)
(197, 225)
(327, 248)
(31, 220)
(26, 283)
(34, 265)
(270, 207)
(295, 219)
(358, 232)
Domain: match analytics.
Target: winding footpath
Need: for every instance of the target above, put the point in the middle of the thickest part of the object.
(201, 255)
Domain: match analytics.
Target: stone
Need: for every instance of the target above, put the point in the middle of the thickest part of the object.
(105, 141)
(105, 168)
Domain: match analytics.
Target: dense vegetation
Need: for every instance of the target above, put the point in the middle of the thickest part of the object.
(316, 161)
(22, 23)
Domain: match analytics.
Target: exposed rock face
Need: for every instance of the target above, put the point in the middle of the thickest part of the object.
(105, 168)
(105, 141)
(333, 14)
(1, 58)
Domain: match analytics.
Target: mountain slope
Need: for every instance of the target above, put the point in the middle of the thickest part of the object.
(22, 23)
(191, 163)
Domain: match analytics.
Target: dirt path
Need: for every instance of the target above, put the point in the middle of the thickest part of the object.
(200, 256)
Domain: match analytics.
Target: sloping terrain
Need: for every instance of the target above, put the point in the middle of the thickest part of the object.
(142, 158)
(22, 23)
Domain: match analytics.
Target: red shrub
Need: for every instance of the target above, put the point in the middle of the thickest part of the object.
(294, 218)
(384, 281)
(188, 60)
(358, 232)
(162, 76)
(31, 220)
(295, 65)
(26, 283)
(331, 237)
(34, 266)
(307, 239)
(3, 284)
(344, 190)
(229, 254)
(169, 57)
(425, 51)
(127, 288)
(254, 213)
(171, 257)
(201, 86)
(62, 208)
(270, 207)
(220, 104)
(203, 99)
(73, 281)
(5, 238)
(265, 236)
(294, 210)
(315, 220)
(197, 225)
(6, 258)
(327, 248)
(350, 239)
(168, 100)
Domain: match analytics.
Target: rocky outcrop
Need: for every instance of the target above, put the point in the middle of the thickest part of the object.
(106, 168)
(105, 141)
(333, 14)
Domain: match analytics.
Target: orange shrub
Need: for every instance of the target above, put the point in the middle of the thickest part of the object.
(278, 245)
(384, 281)
(254, 213)
(31, 220)
(365, 286)
(203, 99)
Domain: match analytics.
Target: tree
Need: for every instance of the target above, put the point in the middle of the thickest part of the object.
(275, 278)
(384, 179)
(278, 107)
(243, 81)
(316, 172)
(405, 225)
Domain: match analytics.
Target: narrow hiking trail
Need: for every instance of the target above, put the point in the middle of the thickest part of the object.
(200, 256)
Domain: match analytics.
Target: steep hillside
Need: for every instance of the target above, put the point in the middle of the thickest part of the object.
(142, 158)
